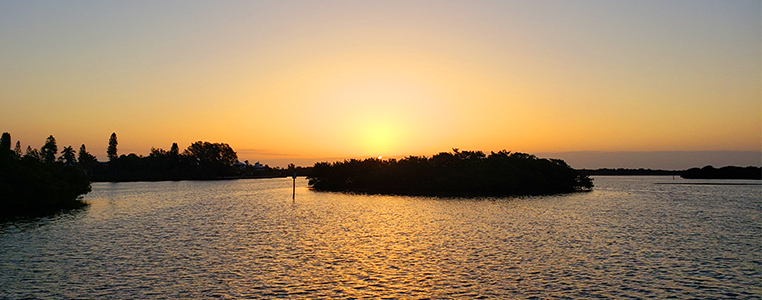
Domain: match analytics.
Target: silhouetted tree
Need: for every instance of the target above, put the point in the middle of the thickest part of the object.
(214, 159)
(218, 153)
(5, 145)
(85, 157)
(68, 156)
(174, 150)
(17, 149)
(86, 160)
(157, 152)
(173, 156)
(111, 151)
(49, 150)
(33, 153)
(5, 142)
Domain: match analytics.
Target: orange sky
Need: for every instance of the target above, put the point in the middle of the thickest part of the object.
(303, 80)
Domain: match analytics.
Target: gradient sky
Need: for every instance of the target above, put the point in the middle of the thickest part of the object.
(304, 80)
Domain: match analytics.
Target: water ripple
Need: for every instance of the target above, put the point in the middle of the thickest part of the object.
(630, 238)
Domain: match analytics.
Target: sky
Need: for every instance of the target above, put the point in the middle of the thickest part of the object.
(306, 81)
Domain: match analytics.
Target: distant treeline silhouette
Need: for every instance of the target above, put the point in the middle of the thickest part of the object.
(628, 172)
(460, 173)
(200, 161)
(38, 183)
(729, 172)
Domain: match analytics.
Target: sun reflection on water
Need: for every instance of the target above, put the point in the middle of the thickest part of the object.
(248, 239)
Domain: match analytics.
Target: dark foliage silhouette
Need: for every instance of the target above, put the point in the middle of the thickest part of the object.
(49, 150)
(86, 161)
(17, 148)
(628, 172)
(36, 184)
(5, 141)
(33, 153)
(68, 156)
(729, 172)
(200, 161)
(460, 173)
(111, 150)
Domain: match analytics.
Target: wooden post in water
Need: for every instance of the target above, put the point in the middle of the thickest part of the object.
(293, 191)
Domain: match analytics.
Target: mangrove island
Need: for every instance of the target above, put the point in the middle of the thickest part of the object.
(457, 173)
(728, 172)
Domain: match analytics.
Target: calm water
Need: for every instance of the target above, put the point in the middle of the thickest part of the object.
(629, 238)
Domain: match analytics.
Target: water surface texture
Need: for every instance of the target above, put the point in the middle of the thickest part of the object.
(238, 239)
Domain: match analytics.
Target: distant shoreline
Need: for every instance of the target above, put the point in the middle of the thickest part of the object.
(208, 179)
(710, 183)
(629, 172)
(707, 172)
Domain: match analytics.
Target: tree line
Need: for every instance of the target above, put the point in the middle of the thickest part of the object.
(38, 182)
(199, 161)
(457, 173)
(707, 172)
(629, 172)
(728, 172)
(41, 181)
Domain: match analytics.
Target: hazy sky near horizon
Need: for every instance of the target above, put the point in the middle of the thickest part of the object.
(281, 80)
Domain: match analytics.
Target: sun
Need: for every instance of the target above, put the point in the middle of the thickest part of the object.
(379, 138)
(374, 116)
(378, 135)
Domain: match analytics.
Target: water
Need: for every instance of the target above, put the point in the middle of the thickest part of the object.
(629, 238)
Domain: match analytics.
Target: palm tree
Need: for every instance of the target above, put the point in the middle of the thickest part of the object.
(68, 156)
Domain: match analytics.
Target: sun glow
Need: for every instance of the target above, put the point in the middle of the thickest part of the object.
(375, 114)
(278, 81)
(379, 137)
